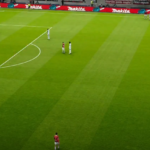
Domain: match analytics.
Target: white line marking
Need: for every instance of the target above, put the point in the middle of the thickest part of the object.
(23, 26)
(28, 60)
(22, 49)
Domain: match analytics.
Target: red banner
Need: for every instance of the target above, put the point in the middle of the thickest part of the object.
(119, 10)
(77, 8)
(25, 6)
(74, 8)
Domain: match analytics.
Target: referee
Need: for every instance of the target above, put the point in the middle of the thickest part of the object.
(91, 3)
(29, 5)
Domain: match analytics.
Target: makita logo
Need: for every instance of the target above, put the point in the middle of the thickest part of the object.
(76, 9)
(58, 6)
(121, 10)
(148, 10)
(34, 7)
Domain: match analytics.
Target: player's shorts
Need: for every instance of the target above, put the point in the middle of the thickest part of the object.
(63, 48)
(56, 143)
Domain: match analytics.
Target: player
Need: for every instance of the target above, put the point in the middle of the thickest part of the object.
(56, 140)
(69, 47)
(63, 47)
(29, 5)
(145, 15)
(48, 34)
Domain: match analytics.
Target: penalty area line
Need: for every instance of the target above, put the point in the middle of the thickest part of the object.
(13, 25)
(28, 60)
(31, 43)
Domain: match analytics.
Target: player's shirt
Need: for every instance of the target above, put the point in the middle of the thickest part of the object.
(63, 45)
(47, 32)
(56, 138)
(69, 45)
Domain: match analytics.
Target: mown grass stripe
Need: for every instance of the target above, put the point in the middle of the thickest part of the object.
(28, 106)
(11, 45)
(126, 123)
(60, 73)
(81, 108)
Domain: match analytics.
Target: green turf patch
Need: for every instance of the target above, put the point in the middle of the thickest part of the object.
(125, 125)
(74, 94)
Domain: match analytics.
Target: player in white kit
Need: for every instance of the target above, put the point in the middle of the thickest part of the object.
(48, 34)
(69, 47)
(145, 15)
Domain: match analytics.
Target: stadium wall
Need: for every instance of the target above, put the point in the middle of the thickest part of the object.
(77, 8)
(125, 3)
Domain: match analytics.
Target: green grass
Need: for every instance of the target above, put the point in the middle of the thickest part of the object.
(96, 98)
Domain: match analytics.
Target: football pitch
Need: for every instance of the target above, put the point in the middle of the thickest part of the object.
(97, 98)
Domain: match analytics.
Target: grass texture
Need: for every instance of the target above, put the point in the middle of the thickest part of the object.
(97, 98)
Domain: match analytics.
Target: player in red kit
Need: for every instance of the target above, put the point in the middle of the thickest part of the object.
(63, 47)
(56, 141)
